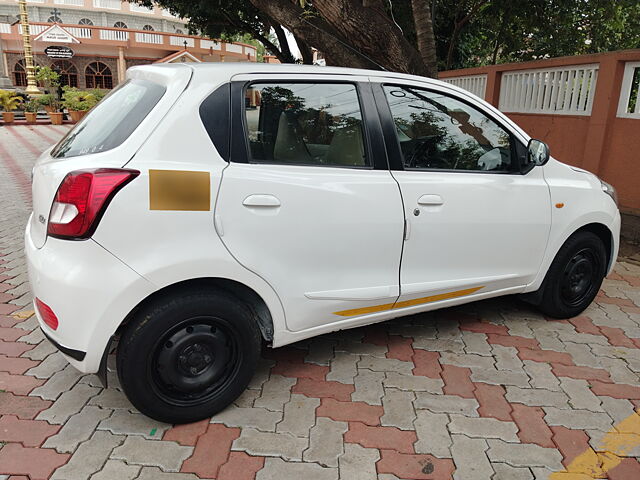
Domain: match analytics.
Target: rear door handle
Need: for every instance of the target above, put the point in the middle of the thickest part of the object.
(430, 200)
(261, 201)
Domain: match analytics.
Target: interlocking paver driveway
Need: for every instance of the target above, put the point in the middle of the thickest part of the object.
(488, 390)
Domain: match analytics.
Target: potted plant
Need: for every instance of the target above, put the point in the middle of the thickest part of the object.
(45, 100)
(31, 110)
(77, 102)
(9, 101)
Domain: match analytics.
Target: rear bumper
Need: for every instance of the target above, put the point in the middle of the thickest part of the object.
(90, 291)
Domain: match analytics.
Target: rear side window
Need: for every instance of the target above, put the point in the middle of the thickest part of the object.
(305, 124)
(112, 121)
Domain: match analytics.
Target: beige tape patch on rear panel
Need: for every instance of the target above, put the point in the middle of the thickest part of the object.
(179, 190)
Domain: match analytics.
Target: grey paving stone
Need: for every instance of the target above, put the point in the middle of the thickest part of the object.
(246, 398)
(483, 428)
(358, 462)
(619, 370)
(52, 364)
(378, 364)
(127, 423)
(320, 351)
(138, 450)
(368, 387)
(433, 435)
(258, 418)
(40, 352)
(446, 404)
(524, 455)
(507, 472)
(154, 473)
(268, 444)
(470, 458)
(578, 419)
(116, 470)
(77, 429)
(89, 458)
(263, 371)
(68, 404)
(541, 375)
(59, 383)
(325, 442)
(111, 398)
(275, 393)
(507, 358)
(398, 409)
(413, 383)
(618, 409)
(299, 415)
(343, 367)
(359, 348)
(277, 469)
(467, 360)
(582, 355)
(580, 395)
(438, 345)
(536, 397)
(500, 377)
(476, 343)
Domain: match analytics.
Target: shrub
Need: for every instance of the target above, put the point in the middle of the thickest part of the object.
(9, 101)
(74, 99)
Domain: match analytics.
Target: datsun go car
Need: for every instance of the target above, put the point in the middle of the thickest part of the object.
(200, 211)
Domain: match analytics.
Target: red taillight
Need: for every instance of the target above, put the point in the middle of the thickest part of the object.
(47, 314)
(82, 198)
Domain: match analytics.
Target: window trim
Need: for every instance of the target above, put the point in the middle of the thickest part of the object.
(240, 148)
(396, 158)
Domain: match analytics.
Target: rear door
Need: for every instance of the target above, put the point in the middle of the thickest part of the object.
(308, 202)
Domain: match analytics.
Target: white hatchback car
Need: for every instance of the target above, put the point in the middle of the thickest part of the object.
(201, 209)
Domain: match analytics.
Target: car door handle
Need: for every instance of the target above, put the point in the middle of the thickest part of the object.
(430, 200)
(261, 201)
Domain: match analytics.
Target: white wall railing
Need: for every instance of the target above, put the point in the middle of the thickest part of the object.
(116, 35)
(149, 38)
(210, 44)
(562, 90)
(629, 104)
(77, 3)
(110, 4)
(134, 7)
(179, 41)
(5, 28)
(79, 32)
(476, 84)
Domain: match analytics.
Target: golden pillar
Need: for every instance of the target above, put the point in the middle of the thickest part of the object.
(32, 88)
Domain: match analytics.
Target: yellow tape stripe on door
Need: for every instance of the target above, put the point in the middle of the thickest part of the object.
(407, 303)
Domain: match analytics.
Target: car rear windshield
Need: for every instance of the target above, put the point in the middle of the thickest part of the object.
(112, 121)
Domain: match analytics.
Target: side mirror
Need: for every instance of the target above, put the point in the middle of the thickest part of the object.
(537, 152)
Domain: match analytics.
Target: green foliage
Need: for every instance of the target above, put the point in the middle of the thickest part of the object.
(47, 77)
(9, 101)
(74, 99)
(49, 100)
(32, 105)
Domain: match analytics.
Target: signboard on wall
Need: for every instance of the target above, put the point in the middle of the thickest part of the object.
(56, 34)
(56, 51)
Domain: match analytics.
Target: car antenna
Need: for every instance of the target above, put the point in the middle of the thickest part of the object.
(364, 55)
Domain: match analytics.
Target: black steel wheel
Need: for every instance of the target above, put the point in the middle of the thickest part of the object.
(575, 276)
(186, 357)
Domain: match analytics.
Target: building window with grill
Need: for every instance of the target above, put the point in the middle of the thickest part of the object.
(67, 71)
(148, 28)
(120, 25)
(85, 21)
(19, 74)
(98, 75)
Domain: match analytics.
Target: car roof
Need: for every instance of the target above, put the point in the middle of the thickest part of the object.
(231, 69)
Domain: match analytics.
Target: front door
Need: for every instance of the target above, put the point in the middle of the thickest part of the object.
(475, 224)
(308, 202)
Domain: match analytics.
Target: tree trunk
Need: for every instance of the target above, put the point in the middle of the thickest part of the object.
(305, 51)
(284, 45)
(424, 33)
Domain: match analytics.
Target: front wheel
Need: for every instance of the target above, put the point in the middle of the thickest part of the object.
(574, 277)
(186, 357)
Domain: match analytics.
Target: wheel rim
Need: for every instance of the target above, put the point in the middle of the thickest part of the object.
(578, 277)
(194, 361)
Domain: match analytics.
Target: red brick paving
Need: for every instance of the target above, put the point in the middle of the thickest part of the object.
(400, 348)
(531, 424)
(300, 370)
(427, 364)
(18, 384)
(323, 389)
(241, 466)
(627, 469)
(457, 381)
(584, 373)
(584, 324)
(571, 443)
(31, 433)
(416, 467)
(212, 451)
(37, 463)
(545, 356)
(7, 308)
(186, 434)
(381, 437)
(16, 365)
(618, 390)
(617, 337)
(492, 402)
(350, 411)
(23, 407)
(513, 341)
(484, 327)
(14, 349)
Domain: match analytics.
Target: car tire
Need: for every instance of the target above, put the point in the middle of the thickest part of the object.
(574, 277)
(186, 357)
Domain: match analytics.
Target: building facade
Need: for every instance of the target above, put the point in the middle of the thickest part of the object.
(91, 43)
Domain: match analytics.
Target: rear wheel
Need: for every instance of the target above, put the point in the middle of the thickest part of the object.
(575, 276)
(185, 358)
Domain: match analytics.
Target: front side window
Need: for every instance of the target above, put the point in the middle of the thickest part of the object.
(305, 124)
(112, 121)
(436, 131)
